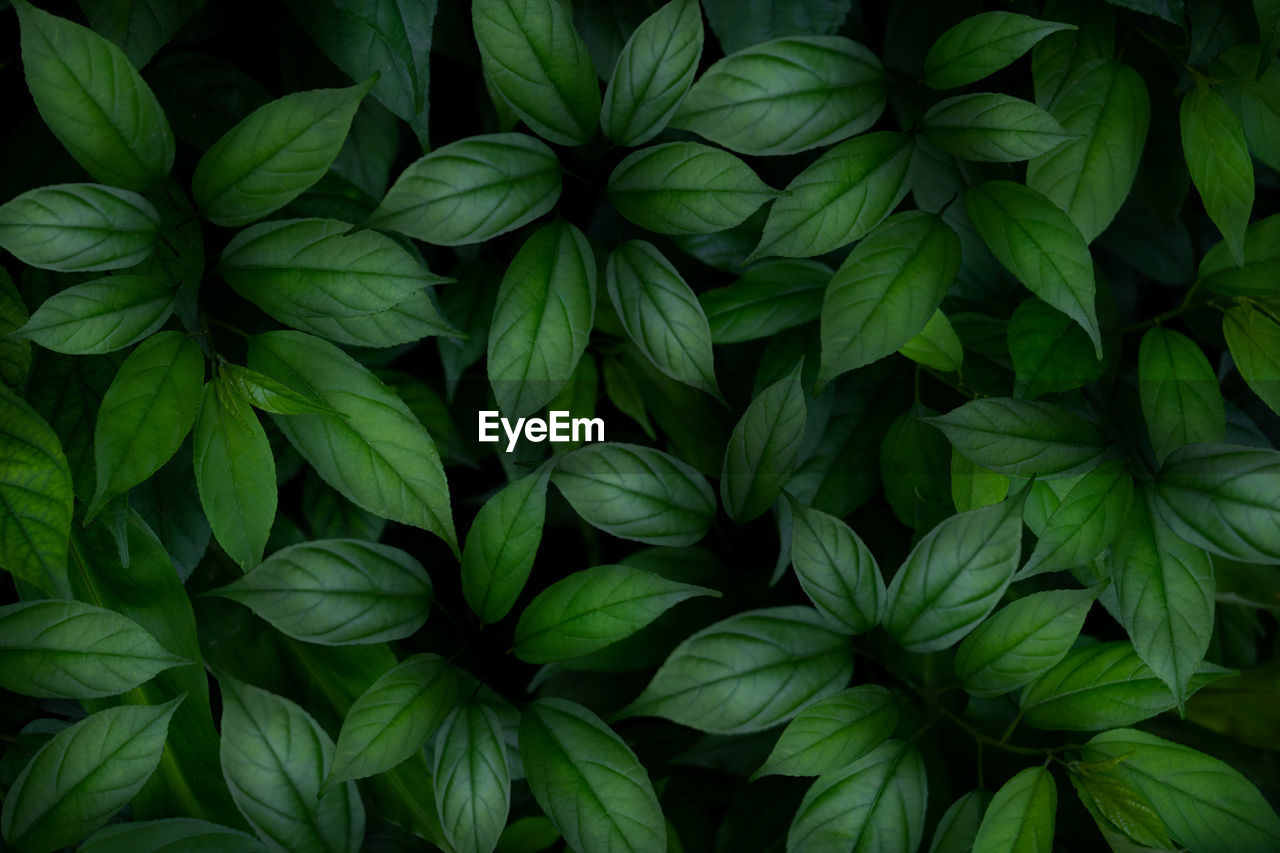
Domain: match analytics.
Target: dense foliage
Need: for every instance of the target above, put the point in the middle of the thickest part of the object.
(937, 348)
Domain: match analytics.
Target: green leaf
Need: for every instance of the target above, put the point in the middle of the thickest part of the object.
(94, 101)
(833, 732)
(840, 197)
(981, 45)
(1204, 803)
(146, 413)
(1115, 806)
(1268, 14)
(972, 486)
(764, 448)
(1022, 438)
(15, 352)
(83, 775)
(1255, 101)
(1100, 687)
(749, 672)
(267, 394)
(79, 228)
(1168, 10)
(878, 802)
(661, 314)
(836, 569)
(990, 127)
(958, 826)
(71, 650)
(886, 290)
(1021, 815)
(912, 459)
(1254, 341)
(594, 608)
(1050, 352)
(1040, 245)
(1085, 523)
(138, 27)
(636, 493)
(954, 577)
(653, 74)
(381, 459)
(686, 188)
(770, 297)
(274, 756)
(393, 718)
(337, 592)
(171, 835)
(542, 320)
(1218, 158)
(786, 95)
(100, 316)
(502, 544)
(1181, 401)
(472, 190)
(274, 155)
(1257, 276)
(235, 473)
(737, 25)
(472, 781)
(1225, 499)
(534, 57)
(1164, 590)
(936, 345)
(1090, 177)
(35, 498)
(1025, 638)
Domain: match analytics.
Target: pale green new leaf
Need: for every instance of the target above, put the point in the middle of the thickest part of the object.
(594, 608)
(764, 448)
(653, 73)
(770, 297)
(1260, 273)
(170, 835)
(1021, 815)
(786, 95)
(270, 395)
(686, 188)
(100, 316)
(1022, 438)
(936, 345)
(79, 228)
(833, 732)
(1181, 401)
(981, 45)
(1218, 158)
(1254, 341)
(991, 127)
(1115, 805)
(502, 544)
(836, 570)
(1085, 522)
(471, 779)
(337, 592)
(749, 672)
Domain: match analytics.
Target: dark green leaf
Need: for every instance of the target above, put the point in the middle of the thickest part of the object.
(1022, 438)
(992, 128)
(79, 228)
(1255, 101)
(139, 27)
(1254, 341)
(764, 448)
(1218, 158)
(738, 26)
(1021, 815)
(471, 778)
(653, 73)
(770, 297)
(171, 835)
(502, 544)
(958, 826)
(15, 352)
(1257, 276)
(981, 45)
(1050, 351)
(1181, 402)
(833, 732)
(837, 570)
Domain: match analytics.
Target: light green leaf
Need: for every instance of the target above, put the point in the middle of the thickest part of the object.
(534, 57)
(1022, 438)
(79, 228)
(886, 290)
(1116, 806)
(381, 458)
(502, 544)
(958, 826)
(146, 413)
(954, 577)
(393, 718)
(1021, 815)
(786, 95)
(274, 756)
(170, 835)
(1203, 802)
(235, 473)
(1025, 638)
(661, 314)
(770, 297)
(981, 45)
(1086, 521)
(1218, 158)
(1254, 341)
(71, 650)
(1050, 351)
(274, 155)
(764, 448)
(1090, 177)
(1258, 276)
(1181, 401)
(1099, 687)
(840, 197)
(936, 345)
(749, 672)
(100, 316)
(992, 128)
(94, 101)
(267, 394)
(739, 25)
(471, 778)
(1040, 245)
(1224, 498)
(588, 781)
(594, 608)
(836, 569)
(653, 73)
(973, 486)
(833, 732)
(337, 592)
(686, 188)
(636, 493)
(472, 190)
(35, 498)
(876, 803)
